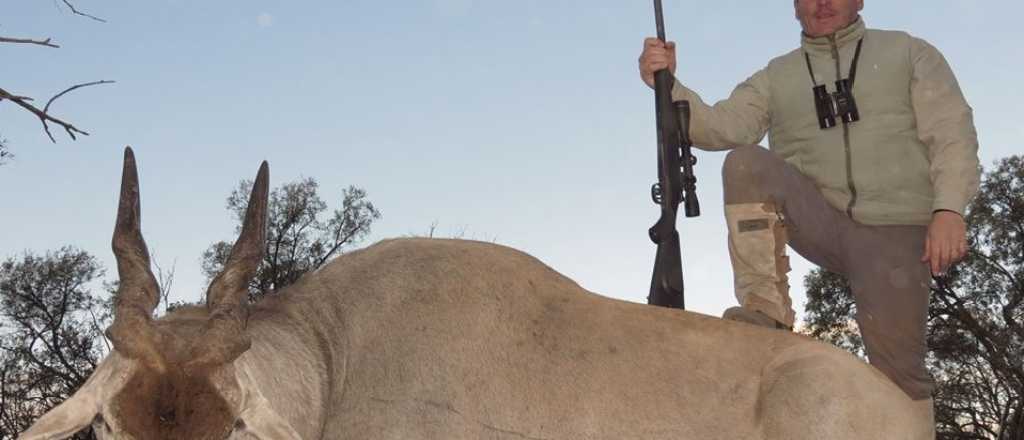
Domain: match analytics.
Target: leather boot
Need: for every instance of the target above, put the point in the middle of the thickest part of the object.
(754, 317)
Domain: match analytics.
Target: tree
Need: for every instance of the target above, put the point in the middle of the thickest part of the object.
(5, 154)
(51, 333)
(975, 330)
(299, 238)
(26, 102)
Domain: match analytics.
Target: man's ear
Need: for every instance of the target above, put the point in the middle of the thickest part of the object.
(81, 408)
(258, 421)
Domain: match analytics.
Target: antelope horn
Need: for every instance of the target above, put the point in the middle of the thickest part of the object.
(224, 336)
(132, 331)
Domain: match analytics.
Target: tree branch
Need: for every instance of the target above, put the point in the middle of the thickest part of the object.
(47, 107)
(165, 279)
(338, 243)
(45, 42)
(995, 352)
(99, 330)
(29, 353)
(44, 115)
(77, 12)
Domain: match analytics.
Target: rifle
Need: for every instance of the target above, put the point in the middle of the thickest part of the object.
(673, 119)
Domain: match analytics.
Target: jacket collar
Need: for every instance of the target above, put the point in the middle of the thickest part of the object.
(855, 31)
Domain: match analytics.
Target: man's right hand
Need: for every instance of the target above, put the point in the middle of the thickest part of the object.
(656, 56)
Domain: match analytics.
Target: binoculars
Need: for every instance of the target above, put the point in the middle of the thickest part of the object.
(837, 104)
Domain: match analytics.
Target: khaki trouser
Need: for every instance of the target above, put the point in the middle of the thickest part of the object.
(882, 263)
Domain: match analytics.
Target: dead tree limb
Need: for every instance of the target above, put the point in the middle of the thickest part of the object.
(77, 12)
(44, 115)
(45, 42)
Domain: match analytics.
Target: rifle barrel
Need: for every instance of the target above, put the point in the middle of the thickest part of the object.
(659, 20)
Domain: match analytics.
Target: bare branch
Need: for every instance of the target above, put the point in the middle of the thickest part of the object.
(44, 115)
(99, 330)
(77, 12)
(165, 279)
(13, 97)
(47, 107)
(4, 153)
(339, 242)
(45, 42)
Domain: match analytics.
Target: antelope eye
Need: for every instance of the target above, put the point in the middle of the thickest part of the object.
(99, 423)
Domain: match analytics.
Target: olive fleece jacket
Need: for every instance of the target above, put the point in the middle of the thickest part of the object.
(913, 151)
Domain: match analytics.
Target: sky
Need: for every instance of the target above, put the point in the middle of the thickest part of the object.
(524, 123)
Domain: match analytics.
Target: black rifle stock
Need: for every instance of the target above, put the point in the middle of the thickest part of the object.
(675, 178)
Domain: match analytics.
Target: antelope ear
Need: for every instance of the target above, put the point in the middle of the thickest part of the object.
(81, 408)
(258, 421)
(65, 419)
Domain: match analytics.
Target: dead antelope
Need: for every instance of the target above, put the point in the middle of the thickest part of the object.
(447, 339)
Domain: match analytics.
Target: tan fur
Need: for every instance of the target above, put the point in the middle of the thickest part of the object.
(419, 338)
(447, 339)
(173, 406)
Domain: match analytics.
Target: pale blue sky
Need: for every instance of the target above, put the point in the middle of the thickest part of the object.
(523, 122)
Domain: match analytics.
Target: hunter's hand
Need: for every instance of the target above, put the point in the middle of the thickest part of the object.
(946, 242)
(656, 56)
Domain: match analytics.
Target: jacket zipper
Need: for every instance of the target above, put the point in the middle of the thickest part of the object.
(846, 135)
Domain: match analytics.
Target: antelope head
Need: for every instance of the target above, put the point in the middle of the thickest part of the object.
(173, 378)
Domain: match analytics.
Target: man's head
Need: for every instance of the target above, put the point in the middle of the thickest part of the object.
(824, 17)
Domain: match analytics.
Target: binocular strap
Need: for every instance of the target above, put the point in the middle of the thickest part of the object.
(853, 65)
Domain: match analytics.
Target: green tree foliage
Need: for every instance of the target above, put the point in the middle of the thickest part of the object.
(830, 311)
(301, 234)
(50, 333)
(975, 330)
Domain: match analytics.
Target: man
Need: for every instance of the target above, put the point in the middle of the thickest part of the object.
(876, 193)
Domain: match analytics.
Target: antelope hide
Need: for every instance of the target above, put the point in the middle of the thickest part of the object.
(447, 339)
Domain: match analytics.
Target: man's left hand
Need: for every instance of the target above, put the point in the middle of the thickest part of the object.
(946, 242)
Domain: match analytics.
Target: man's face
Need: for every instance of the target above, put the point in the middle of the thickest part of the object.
(824, 17)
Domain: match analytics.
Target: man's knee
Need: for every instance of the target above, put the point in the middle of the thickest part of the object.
(742, 162)
(742, 171)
